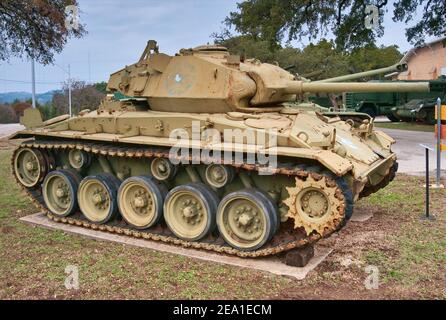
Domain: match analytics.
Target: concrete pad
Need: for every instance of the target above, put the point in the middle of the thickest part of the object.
(361, 216)
(435, 186)
(271, 264)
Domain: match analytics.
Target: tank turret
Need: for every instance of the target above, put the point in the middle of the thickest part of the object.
(208, 79)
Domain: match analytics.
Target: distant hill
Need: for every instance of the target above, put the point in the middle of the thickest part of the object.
(42, 98)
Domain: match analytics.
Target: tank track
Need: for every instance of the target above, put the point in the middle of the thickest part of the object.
(283, 241)
(384, 182)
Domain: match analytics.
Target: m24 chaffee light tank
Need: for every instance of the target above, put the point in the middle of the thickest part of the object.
(114, 169)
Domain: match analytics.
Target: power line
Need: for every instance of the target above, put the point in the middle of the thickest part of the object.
(22, 81)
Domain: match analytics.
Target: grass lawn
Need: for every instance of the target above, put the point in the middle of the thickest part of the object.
(406, 126)
(410, 256)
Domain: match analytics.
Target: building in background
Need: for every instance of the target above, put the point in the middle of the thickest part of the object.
(427, 62)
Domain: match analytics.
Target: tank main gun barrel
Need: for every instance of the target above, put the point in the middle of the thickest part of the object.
(299, 87)
(398, 67)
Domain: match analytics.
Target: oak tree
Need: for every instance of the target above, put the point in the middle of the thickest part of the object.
(315, 61)
(37, 28)
(278, 20)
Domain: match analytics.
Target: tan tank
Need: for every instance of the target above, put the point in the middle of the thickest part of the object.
(205, 155)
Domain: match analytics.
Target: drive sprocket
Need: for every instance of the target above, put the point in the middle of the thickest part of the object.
(316, 203)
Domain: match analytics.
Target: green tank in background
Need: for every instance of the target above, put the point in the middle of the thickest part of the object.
(398, 105)
(422, 109)
(336, 102)
(154, 166)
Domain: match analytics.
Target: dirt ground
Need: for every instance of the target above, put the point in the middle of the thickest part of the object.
(407, 254)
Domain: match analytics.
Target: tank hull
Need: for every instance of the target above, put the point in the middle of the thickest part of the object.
(342, 147)
(124, 144)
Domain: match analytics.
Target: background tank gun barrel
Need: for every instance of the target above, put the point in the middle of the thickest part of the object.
(299, 87)
(398, 67)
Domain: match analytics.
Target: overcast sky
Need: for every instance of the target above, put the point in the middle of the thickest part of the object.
(118, 31)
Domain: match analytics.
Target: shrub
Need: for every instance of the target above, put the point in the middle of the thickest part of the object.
(7, 114)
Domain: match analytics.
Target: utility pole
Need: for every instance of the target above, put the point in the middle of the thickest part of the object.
(89, 69)
(33, 81)
(439, 149)
(69, 90)
(69, 85)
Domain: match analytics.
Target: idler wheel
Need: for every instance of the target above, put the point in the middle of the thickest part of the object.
(140, 201)
(247, 219)
(30, 166)
(60, 192)
(189, 211)
(97, 197)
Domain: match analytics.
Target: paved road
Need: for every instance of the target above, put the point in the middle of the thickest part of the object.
(8, 129)
(411, 157)
(410, 154)
(381, 119)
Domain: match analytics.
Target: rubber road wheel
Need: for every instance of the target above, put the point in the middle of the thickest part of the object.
(190, 211)
(247, 219)
(59, 191)
(140, 201)
(97, 197)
